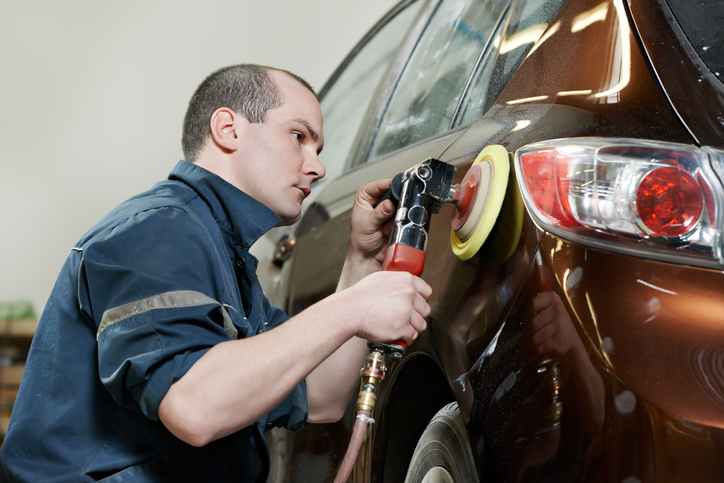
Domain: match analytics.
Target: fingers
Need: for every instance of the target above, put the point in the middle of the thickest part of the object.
(417, 293)
(543, 300)
(548, 348)
(421, 287)
(420, 308)
(372, 192)
(543, 334)
(378, 188)
(547, 307)
(420, 305)
(553, 330)
(384, 211)
(417, 325)
(544, 317)
(370, 229)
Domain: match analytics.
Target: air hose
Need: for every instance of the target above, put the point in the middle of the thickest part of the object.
(355, 443)
(372, 374)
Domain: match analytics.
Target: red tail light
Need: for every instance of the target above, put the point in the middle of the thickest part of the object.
(669, 201)
(549, 185)
(657, 200)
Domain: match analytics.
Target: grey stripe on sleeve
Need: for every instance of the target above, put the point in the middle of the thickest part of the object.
(168, 300)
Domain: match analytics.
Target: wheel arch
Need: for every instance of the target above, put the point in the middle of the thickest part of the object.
(418, 391)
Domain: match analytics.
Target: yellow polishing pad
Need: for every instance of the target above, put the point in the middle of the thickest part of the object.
(486, 182)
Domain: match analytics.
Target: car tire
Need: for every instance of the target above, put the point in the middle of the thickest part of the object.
(443, 452)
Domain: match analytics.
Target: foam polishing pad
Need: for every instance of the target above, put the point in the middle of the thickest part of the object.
(479, 199)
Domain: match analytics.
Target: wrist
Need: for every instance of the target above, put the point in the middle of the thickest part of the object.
(356, 267)
(341, 318)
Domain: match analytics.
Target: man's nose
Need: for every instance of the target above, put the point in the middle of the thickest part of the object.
(315, 167)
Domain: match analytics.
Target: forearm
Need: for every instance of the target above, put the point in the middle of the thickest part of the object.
(331, 385)
(335, 381)
(236, 382)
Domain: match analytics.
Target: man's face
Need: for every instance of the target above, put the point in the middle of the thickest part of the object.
(280, 156)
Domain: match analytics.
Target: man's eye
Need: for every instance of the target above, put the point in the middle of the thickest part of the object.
(298, 136)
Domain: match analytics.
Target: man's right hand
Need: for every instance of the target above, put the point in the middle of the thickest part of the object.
(381, 307)
(389, 306)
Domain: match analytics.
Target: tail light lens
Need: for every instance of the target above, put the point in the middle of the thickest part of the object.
(650, 199)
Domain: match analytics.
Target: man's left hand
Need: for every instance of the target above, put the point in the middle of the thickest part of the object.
(370, 231)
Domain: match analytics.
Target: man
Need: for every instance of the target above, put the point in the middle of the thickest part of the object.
(158, 358)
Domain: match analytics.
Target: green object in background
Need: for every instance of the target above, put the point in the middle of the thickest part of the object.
(17, 310)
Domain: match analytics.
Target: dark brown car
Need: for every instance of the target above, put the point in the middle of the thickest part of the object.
(613, 115)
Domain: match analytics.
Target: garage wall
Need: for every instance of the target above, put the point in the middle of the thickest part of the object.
(93, 93)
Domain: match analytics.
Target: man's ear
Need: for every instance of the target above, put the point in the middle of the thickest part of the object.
(223, 128)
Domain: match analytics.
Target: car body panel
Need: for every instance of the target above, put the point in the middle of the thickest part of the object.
(646, 402)
(700, 104)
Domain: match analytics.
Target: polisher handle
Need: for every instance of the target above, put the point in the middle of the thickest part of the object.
(404, 258)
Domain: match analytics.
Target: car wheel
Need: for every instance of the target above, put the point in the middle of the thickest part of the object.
(443, 453)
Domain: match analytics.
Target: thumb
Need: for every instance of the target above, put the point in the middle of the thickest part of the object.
(385, 210)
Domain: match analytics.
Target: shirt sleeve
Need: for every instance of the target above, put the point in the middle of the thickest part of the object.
(292, 412)
(149, 287)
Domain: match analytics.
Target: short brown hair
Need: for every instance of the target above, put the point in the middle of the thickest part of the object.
(247, 89)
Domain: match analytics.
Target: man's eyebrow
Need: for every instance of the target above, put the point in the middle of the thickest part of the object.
(312, 133)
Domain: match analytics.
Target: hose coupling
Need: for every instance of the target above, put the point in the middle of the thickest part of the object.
(372, 374)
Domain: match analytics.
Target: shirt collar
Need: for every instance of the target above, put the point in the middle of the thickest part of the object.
(245, 218)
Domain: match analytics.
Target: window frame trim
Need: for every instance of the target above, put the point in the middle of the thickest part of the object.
(383, 94)
(500, 27)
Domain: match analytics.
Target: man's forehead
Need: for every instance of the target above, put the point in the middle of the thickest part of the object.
(287, 83)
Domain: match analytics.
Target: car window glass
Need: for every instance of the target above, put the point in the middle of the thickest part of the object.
(430, 86)
(704, 28)
(344, 104)
(528, 21)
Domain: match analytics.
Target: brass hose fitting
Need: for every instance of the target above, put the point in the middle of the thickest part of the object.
(372, 374)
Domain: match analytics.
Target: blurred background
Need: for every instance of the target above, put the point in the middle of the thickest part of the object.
(93, 94)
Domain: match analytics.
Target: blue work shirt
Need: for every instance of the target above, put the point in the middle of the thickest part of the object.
(143, 295)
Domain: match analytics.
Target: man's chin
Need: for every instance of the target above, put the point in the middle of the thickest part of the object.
(289, 220)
